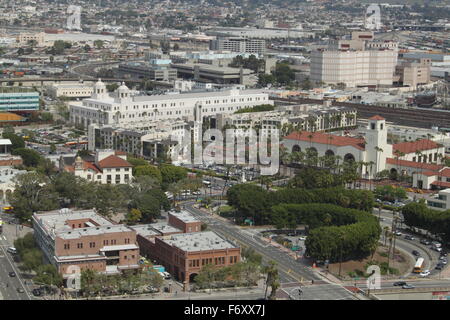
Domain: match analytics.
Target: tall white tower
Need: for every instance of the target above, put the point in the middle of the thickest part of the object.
(377, 148)
(100, 91)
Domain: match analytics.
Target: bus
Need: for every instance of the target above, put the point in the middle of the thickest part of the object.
(419, 265)
(207, 183)
(8, 209)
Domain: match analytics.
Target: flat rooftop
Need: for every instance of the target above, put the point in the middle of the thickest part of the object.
(199, 241)
(154, 229)
(184, 216)
(91, 231)
(55, 223)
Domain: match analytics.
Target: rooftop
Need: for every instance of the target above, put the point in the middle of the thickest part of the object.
(55, 223)
(199, 241)
(413, 146)
(184, 216)
(329, 139)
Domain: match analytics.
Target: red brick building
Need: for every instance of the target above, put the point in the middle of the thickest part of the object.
(84, 239)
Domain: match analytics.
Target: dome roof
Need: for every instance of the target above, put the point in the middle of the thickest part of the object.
(123, 87)
(99, 83)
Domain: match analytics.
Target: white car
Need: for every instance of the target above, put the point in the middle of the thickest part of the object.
(425, 273)
(302, 238)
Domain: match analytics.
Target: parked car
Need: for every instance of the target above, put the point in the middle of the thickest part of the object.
(399, 283)
(302, 238)
(444, 261)
(291, 234)
(425, 273)
(152, 289)
(36, 292)
(436, 249)
(20, 290)
(425, 242)
(408, 237)
(439, 266)
(408, 286)
(436, 244)
(398, 233)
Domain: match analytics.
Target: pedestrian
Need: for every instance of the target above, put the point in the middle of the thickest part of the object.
(176, 292)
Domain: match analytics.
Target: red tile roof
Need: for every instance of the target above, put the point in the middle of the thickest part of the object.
(445, 172)
(412, 164)
(113, 162)
(377, 117)
(413, 146)
(325, 138)
(441, 184)
(120, 153)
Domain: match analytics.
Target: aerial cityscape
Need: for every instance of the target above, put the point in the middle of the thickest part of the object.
(238, 150)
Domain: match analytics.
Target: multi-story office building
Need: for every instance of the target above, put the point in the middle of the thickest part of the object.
(19, 99)
(244, 45)
(355, 62)
(85, 240)
(124, 109)
(215, 74)
(412, 73)
(148, 139)
(148, 71)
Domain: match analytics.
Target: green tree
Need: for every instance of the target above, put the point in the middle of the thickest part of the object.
(17, 141)
(32, 192)
(171, 173)
(148, 170)
(133, 216)
(272, 279)
(30, 157)
(32, 259)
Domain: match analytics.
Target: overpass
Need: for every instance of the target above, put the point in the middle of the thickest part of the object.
(42, 81)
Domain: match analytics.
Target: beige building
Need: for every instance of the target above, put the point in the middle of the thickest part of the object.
(23, 38)
(356, 62)
(414, 73)
(79, 90)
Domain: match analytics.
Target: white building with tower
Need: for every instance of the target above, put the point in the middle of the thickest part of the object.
(124, 108)
(372, 148)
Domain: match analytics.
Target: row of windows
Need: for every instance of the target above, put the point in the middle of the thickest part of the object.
(92, 244)
(217, 261)
(423, 158)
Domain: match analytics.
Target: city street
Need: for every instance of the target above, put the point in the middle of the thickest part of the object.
(291, 271)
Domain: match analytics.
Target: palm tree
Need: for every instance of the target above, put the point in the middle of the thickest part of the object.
(385, 233)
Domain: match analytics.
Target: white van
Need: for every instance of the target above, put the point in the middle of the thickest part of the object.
(12, 250)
